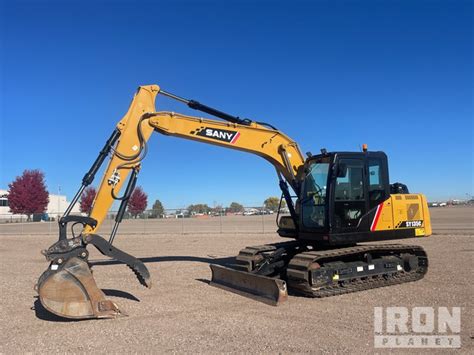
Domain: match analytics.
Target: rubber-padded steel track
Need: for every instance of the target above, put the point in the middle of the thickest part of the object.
(299, 269)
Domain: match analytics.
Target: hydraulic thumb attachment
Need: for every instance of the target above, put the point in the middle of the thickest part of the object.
(68, 289)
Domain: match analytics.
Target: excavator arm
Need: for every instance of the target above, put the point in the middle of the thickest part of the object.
(67, 287)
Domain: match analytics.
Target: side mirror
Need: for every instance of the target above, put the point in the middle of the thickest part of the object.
(341, 170)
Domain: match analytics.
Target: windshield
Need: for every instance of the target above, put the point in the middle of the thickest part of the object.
(313, 200)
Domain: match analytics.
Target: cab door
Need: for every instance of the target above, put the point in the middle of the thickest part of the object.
(378, 183)
(350, 195)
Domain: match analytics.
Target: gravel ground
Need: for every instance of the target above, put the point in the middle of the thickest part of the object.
(182, 313)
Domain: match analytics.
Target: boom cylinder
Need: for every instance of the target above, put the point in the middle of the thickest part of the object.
(195, 105)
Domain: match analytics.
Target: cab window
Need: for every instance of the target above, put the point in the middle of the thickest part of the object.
(349, 204)
(313, 200)
(376, 186)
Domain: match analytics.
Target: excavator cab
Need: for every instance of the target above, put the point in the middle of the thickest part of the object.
(339, 191)
(341, 199)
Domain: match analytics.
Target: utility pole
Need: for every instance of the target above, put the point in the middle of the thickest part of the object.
(59, 201)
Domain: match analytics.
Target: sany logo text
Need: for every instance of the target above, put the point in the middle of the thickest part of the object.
(218, 134)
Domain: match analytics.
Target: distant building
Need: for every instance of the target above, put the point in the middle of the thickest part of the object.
(56, 206)
(3, 201)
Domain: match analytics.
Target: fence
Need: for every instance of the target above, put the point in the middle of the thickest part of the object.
(254, 220)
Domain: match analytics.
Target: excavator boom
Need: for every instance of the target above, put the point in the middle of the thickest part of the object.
(136, 127)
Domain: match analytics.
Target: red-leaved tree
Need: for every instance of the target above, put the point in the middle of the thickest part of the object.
(27, 194)
(137, 202)
(88, 196)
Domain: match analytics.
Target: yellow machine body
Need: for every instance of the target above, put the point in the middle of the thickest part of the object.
(403, 211)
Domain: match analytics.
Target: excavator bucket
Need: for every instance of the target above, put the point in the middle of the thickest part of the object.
(69, 290)
(261, 288)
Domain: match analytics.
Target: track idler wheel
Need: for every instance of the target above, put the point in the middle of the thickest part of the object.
(69, 290)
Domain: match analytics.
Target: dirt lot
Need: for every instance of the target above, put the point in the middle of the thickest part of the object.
(182, 313)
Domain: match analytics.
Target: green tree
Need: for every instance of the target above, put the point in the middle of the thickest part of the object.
(198, 208)
(235, 207)
(157, 211)
(272, 203)
(217, 210)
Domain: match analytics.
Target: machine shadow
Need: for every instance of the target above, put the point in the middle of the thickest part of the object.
(43, 314)
(121, 294)
(158, 259)
(206, 281)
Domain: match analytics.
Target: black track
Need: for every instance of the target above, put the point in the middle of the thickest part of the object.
(300, 259)
(299, 268)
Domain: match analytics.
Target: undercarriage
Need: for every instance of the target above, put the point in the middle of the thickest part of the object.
(303, 269)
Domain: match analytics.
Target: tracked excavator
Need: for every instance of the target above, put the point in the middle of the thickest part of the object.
(336, 201)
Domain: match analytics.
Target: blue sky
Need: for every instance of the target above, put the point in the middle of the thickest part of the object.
(397, 75)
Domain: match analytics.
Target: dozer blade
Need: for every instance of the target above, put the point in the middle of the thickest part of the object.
(69, 290)
(261, 288)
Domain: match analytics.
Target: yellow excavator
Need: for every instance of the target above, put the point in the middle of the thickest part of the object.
(336, 200)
